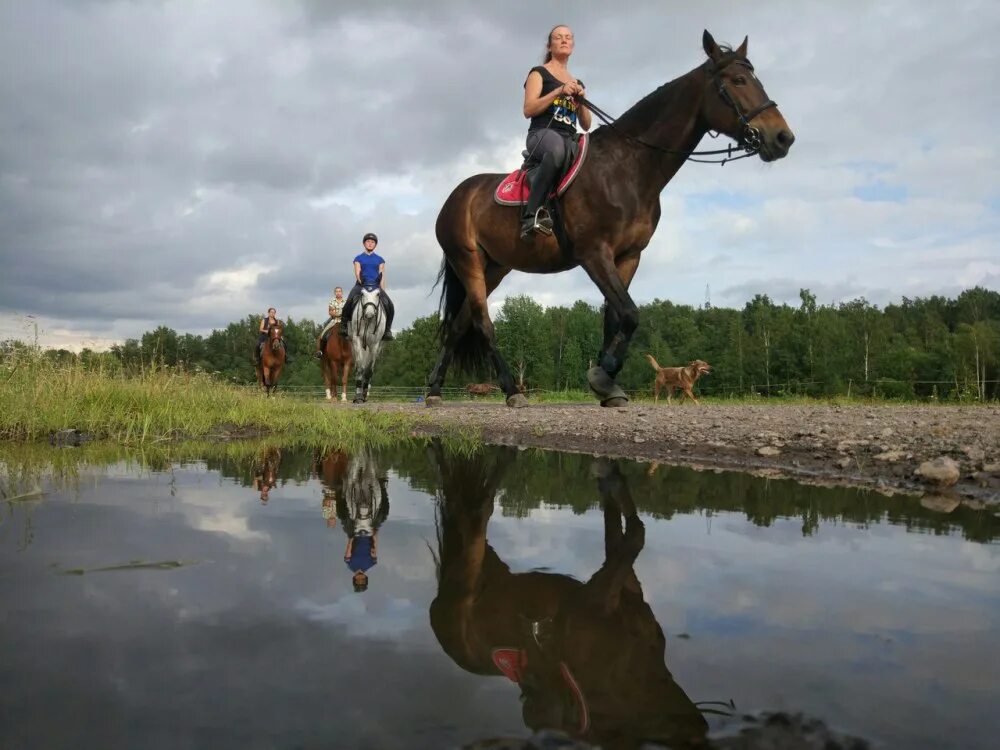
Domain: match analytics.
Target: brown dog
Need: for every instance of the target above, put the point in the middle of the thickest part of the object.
(677, 377)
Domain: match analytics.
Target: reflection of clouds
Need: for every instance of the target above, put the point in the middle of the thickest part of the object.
(364, 615)
(203, 511)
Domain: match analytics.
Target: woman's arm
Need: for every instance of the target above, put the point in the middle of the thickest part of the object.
(263, 328)
(534, 102)
(357, 272)
(381, 273)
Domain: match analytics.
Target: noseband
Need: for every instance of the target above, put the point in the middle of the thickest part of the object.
(751, 136)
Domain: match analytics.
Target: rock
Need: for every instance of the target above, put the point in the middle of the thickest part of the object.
(844, 463)
(941, 471)
(638, 439)
(940, 503)
(992, 468)
(768, 450)
(887, 432)
(974, 452)
(890, 456)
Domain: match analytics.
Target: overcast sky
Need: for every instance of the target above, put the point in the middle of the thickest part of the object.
(185, 163)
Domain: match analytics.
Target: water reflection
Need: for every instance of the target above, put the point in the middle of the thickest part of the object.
(356, 492)
(587, 656)
(265, 471)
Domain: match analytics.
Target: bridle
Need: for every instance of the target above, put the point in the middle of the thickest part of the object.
(750, 142)
(751, 136)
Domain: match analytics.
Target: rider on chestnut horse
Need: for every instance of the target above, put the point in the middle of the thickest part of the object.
(335, 308)
(267, 322)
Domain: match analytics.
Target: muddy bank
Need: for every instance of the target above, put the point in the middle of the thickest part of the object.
(880, 447)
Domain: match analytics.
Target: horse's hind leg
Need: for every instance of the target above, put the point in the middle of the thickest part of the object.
(494, 274)
(436, 379)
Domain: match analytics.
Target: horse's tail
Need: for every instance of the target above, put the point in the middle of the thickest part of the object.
(653, 362)
(471, 349)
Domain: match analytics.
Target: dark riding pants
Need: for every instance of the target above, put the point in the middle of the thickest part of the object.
(550, 149)
(352, 300)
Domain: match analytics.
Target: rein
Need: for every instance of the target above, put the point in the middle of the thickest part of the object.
(751, 136)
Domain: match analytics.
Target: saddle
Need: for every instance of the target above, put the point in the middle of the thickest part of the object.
(514, 189)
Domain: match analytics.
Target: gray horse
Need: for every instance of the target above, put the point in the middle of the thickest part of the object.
(367, 329)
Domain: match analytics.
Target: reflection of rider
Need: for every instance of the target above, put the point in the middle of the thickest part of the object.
(268, 322)
(363, 511)
(369, 271)
(550, 104)
(335, 309)
(266, 473)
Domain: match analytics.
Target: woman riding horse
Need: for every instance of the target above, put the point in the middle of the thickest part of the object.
(269, 321)
(550, 104)
(609, 216)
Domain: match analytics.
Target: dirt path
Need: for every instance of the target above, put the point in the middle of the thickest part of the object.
(880, 447)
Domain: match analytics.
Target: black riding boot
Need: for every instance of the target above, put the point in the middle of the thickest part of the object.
(535, 217)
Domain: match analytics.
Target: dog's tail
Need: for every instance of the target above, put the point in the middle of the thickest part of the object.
(653, 362)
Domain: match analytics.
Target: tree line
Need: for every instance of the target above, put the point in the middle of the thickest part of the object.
(932, 348)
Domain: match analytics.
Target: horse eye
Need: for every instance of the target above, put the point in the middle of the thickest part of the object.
(740, 81)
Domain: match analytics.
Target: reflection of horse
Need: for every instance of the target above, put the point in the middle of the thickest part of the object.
(272, 359)
(367, 329)
(336, 363)
(588, 657)
(331, 469)
(609, 215)
(265, 472)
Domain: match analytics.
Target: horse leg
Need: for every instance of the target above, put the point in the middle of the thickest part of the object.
(477, 291)
(345, 378)
(494, 275)
(436, 379)
(620, 549)
(621, 318)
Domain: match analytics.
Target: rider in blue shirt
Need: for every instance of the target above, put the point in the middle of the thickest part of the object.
(369, 271)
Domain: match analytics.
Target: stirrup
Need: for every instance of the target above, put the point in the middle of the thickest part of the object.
(542, 223)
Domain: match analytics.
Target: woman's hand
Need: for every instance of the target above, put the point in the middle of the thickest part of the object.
(572, 88)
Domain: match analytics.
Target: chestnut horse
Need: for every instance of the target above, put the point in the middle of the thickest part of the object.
(272, 359)
(588, 656)
(608, 217)
(336, 363)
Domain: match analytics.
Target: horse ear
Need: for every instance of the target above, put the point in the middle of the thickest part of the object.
(710, 47)
(742, 50)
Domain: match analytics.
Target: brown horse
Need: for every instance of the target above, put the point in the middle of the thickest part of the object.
(336, 363)
(608, 216)
(588, 657)
(272, 359)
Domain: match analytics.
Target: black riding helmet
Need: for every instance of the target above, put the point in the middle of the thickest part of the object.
(370, 236)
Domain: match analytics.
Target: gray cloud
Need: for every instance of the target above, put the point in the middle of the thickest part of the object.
(187, 164)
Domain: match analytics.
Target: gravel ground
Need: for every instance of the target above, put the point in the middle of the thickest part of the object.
(879, 447)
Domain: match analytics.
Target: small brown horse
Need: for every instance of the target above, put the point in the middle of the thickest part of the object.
(272, 359)
(609, 215)
(336, 362)
(587, 656)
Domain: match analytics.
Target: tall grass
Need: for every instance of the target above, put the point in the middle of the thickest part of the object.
(38, 398)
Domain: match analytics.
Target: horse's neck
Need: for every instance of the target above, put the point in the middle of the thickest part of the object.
(668, 118)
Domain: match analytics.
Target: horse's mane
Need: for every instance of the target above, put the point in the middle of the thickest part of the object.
(659, 100)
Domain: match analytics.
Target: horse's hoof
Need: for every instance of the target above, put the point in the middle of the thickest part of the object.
(615, 402)
(517, 401)
(432, 401)
(605, 387)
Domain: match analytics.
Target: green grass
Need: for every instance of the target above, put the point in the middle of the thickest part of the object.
(38, 398)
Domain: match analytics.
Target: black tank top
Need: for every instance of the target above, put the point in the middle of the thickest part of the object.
(561, 114)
